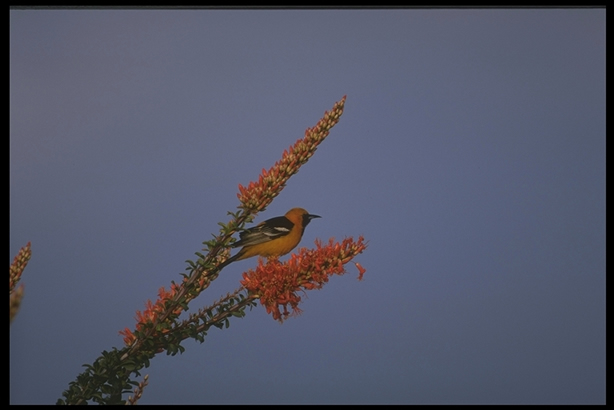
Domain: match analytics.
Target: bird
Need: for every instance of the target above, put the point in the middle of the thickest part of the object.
(273, 237)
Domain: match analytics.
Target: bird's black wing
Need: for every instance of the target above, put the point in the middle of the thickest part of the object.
(266, 231)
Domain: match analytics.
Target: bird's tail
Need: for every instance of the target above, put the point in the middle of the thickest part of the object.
(230, 260)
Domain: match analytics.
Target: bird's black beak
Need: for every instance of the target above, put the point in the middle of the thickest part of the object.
(308, 217)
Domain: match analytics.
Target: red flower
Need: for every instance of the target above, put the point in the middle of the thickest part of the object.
(361, 270)
(128, 336)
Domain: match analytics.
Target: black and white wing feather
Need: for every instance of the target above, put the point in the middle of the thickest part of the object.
(266, 231)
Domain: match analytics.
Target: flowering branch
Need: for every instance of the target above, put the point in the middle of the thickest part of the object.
(15, 271)
(275, 284)
(258, 195)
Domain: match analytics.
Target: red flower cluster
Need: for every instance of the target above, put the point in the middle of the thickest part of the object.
(277, 284)
(258, 195)
(152, 312)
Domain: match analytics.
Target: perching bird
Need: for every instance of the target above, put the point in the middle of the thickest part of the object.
(273, 237)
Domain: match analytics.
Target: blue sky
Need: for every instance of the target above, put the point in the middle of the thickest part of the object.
(471, 156)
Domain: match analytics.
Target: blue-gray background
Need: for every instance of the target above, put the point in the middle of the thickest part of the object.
(471, 155)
